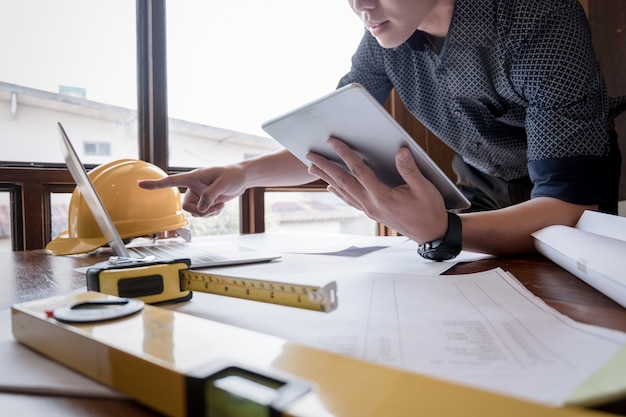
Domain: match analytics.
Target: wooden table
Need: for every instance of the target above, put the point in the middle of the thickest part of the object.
(32, 275)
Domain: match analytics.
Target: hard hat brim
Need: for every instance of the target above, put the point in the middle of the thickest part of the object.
(63, 244)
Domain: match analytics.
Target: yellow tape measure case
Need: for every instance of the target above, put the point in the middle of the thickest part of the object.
(173, 281)
(151, 282)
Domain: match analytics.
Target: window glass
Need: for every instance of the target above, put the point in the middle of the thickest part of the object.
(97, 148)
(5, 221)
(59, 205)
(234, 64)
(71, 61)
(226, 223)
(314, 212)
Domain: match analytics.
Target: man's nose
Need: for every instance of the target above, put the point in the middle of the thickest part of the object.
(361, 5)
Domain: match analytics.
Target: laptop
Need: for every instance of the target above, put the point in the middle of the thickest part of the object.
(201, 254)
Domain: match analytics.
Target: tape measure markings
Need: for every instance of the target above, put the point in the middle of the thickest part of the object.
(290, 294)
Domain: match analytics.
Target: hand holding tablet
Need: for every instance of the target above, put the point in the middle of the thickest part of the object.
(352, 115)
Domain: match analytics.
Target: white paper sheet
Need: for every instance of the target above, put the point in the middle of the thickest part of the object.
(395, 254)
(485, 330)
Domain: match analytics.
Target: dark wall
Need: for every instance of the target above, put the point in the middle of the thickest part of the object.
(607, 19)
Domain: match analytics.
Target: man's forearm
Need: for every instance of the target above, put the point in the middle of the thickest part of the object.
(280, 168)
(508, 231)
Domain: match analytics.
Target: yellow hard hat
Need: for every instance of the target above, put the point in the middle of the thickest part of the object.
(134, 211)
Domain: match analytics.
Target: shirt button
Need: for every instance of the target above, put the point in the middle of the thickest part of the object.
(457, 113)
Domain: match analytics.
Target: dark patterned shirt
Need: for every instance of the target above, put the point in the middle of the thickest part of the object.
(515, 90)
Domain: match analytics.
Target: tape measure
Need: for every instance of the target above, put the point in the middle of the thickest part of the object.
(287, 294)
(157, 282)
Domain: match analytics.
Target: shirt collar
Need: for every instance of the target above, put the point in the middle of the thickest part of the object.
(478, 15)
(418, 41)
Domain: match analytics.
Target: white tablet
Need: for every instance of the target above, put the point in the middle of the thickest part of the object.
(351, 114)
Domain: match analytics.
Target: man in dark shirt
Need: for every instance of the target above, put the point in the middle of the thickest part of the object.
(512, 86)
(514, 89)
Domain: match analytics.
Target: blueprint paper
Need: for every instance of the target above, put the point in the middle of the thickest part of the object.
(593, 251)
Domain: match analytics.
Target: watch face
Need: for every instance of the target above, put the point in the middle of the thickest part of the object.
(441, 253)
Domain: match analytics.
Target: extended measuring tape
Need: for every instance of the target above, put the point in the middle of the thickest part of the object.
(157, 282)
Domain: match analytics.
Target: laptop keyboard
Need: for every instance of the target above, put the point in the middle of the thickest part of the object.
(196, 255)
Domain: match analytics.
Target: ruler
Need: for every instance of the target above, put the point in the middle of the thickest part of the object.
(156, 282)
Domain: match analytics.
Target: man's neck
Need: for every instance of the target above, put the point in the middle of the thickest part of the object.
(437, 23)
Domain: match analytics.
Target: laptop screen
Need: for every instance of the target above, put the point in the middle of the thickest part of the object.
(89, 193)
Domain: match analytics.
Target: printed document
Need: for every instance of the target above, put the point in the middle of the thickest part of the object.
(484, 330)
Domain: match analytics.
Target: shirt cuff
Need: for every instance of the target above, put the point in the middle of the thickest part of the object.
(578, 180)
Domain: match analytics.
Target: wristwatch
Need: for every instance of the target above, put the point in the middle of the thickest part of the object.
(448, 246)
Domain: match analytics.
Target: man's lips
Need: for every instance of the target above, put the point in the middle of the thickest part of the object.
(376, 27)
(371, 24)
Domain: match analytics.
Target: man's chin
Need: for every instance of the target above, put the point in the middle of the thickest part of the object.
(390, 42)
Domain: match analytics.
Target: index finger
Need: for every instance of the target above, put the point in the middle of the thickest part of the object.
(176, 180)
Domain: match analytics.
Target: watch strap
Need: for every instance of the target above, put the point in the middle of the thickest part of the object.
(449, 246)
